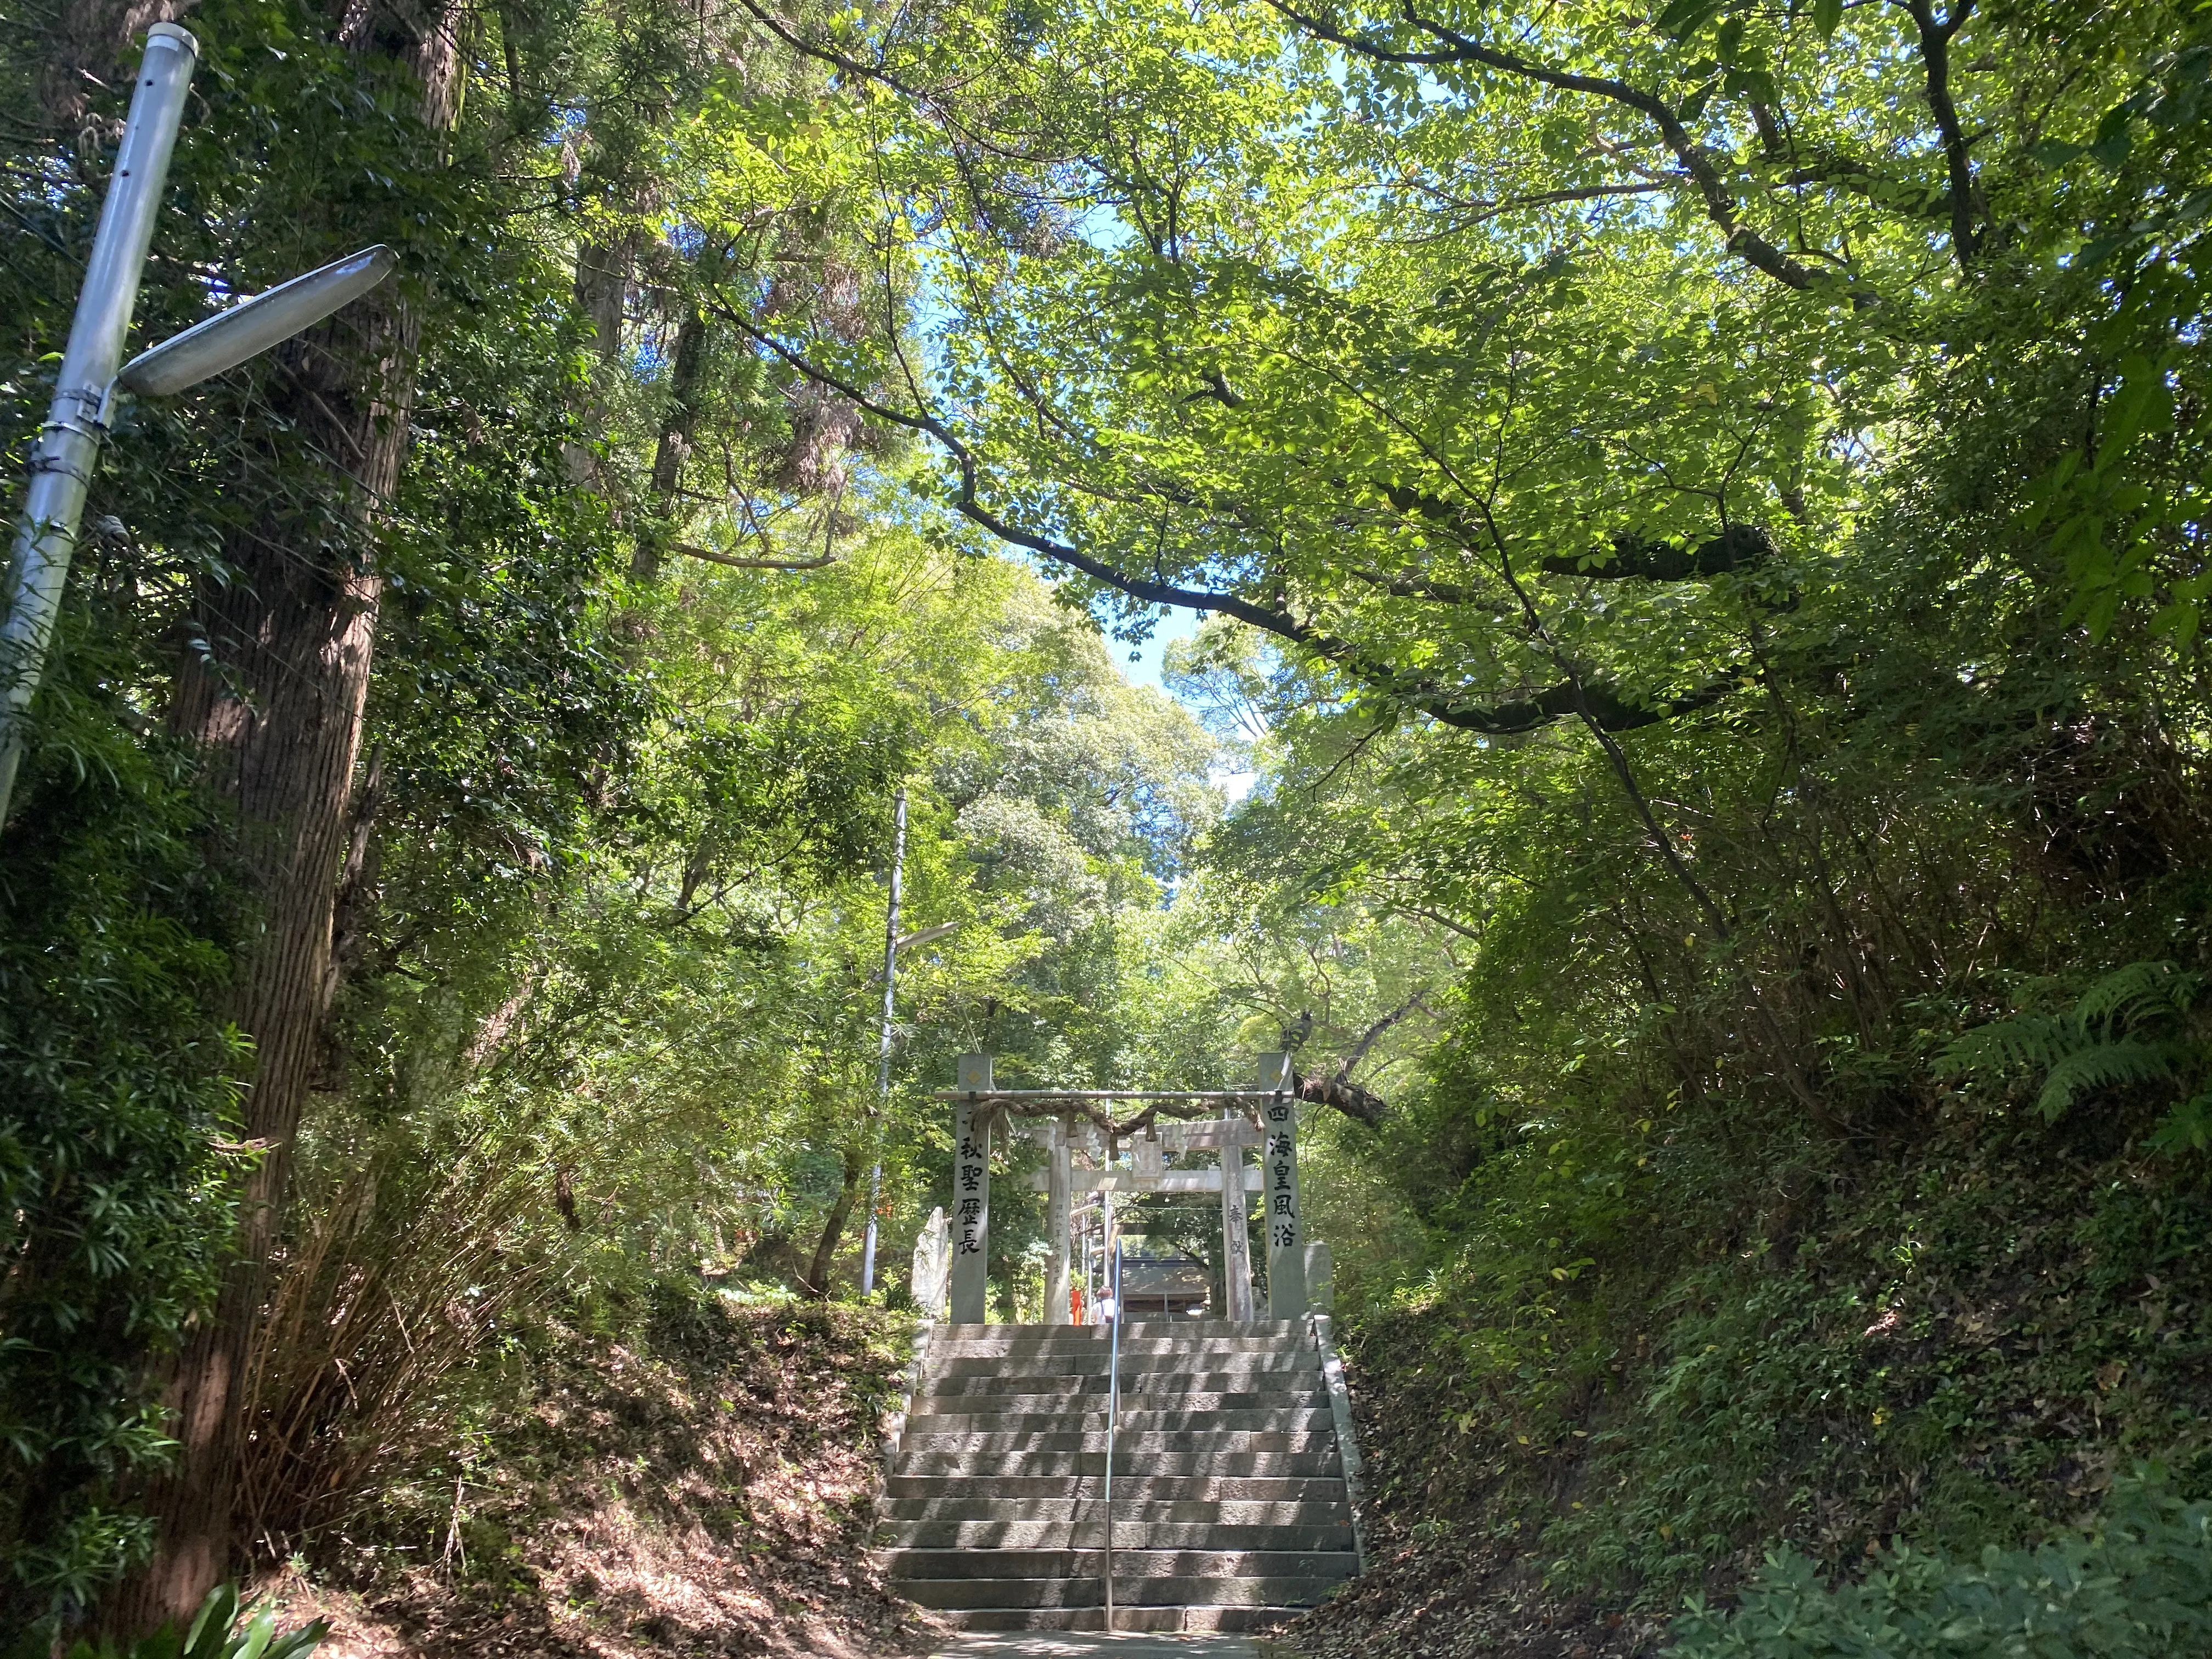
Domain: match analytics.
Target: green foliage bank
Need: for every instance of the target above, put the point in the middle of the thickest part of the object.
(1694, 517)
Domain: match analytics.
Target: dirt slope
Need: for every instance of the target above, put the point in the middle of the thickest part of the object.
(704, 1490)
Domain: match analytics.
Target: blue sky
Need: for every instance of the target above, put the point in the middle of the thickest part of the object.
(1176, 625)
(1146, 670)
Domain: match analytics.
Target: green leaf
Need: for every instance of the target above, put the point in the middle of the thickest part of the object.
(2114, 141)
(2187, 1129)
(2004, 1044)
(2139, 990)
(259, 1633)
(2177, 621)
(1753, 83)
(210, 1630)
(2102, 1066)
(2140, 402)
(298, 1643)
(1684, 18)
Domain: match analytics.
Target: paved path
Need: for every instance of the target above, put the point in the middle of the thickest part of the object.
(1072, 1644)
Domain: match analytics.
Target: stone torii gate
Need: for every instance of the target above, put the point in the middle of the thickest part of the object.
(1225, 1120)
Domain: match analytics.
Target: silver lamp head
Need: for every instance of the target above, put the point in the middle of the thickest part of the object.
(229, 338)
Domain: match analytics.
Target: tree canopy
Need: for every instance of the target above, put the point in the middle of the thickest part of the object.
(1672, 539)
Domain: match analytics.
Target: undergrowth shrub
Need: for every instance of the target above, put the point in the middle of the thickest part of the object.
(2138, 1586)
(402, 1269)
(117, 1128)
(224, 1628)
(1962, 1349)
(1647, 1392)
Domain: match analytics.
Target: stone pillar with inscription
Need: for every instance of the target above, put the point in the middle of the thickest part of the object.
(1278, 1194)
(1056, 1308)
(971, 1192)
(1235, 1229)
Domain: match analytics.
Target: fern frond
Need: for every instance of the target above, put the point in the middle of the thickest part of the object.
(2187, 1129)
(2006, 1045)
(2140, 991)
(2102, 1065)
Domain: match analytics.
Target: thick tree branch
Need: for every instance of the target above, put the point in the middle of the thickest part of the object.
(1570, 699)
(1935, 37)
(937, 104)
(737, 563)
(1847, 172)
(1272, 620)
(1345, 1096)
(1338, 1090)
(1428, 913)
(834, 58)
(1695, 161)
(1739, 547)
(1478, 209)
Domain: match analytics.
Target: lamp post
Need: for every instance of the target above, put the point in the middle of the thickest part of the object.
(883, 1043)
(68, 446)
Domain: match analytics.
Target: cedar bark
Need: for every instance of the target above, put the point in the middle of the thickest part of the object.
(602, 278)
(93, 46)
(277, 713)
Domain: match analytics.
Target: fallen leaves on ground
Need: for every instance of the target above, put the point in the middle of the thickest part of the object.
(710, 1491)
(1444, 1601)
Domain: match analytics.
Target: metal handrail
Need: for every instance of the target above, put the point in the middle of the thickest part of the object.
(1113, 1423)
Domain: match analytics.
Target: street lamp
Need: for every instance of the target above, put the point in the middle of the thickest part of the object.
(68, 446)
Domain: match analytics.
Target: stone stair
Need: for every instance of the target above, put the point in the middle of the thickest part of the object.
(1230, 1510)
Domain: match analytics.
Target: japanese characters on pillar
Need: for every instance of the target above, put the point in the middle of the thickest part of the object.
(1278, 1122)
(971, 1192)
(1236, 1221)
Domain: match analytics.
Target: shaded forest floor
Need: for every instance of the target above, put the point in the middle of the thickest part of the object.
(1487, 1603)
(1483, 1600)
(1960, 1346)
(705, 1488)
(1430, 1591)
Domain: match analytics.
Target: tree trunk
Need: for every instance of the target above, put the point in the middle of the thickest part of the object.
(676, 427)
(276, 710)
(603, 277)
(91, 46)
(833, 1227)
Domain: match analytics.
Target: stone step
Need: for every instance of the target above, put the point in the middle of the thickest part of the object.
(1230, 1508)
(1188, 1620)
(1006, 1567)
(959, 1459)
(1085, 1394)
(1051, 1355)
(1205, 1534)
(1239, 1366)
(1131, 1590)
(1129, 1485)
(1135, 1442)
(1251, 1330)
(1091, 1506)
(1135, 1424)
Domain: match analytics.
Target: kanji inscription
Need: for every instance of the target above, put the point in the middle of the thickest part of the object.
(971, 1192)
